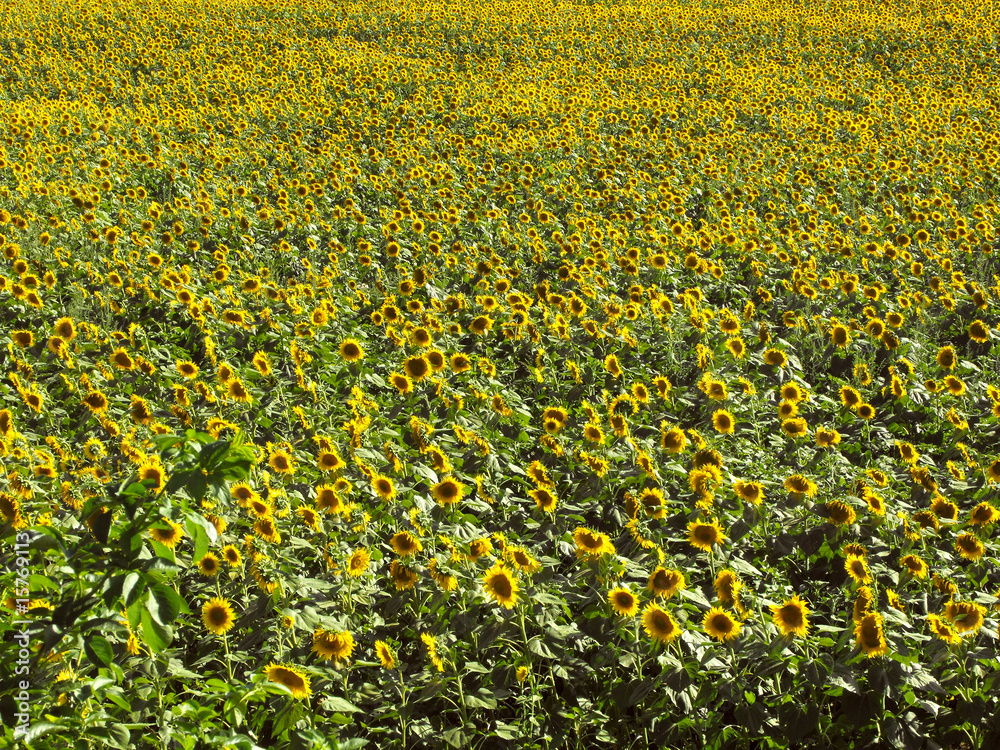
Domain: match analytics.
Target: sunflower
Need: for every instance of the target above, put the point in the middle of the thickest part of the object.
(259, 508)
(623, 602)
(261, 364)
(723, 421)
(866, 411)
(405, 544)
(840, 336)
(481, 325)
(857, 568)
(955, 386)
(969, 546)
(946, 358)
(309, 517)
(282, 461)
(501, 586)
(416, 368)
(152, 472)
(328, 500)
(402, 577)
(727, 587)
(850, 398)
(351, 351)
(401, 382)
(431, 643)
(705, 536)
(592, 433)
(460, 363)
(329, 461)
(231, 555)
(871, 635)
(448, 491)
(751, 492)
(333, 646)
(665, 582)
(651, 500)
(915, 566)
(292, 678)
(795, 428)
(385, 654)
(721, 625)
(121, 359)
(800, 485)
(792, 617)
(673, 440)
(983, 514)
(520, 558)
(243, 493)
(266, 529)
(827, 438)
(168, 535)
(358, 562)
(612, 366)
(545, 499)
(23, 339)
(787, 409)
(659, 624)
(965, 617)
(943, 630)
(979, 332)
(383, 487)
(592, 544)
(217, 615)
(840, 513)
(993, 472)
(775, 358)
(209, 565)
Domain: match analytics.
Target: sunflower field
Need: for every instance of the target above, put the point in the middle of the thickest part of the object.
(499, 374)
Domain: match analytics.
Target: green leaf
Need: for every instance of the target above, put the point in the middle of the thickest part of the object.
(164, 604)
(99, 650)
(132, 587)
(333, 703)
(37, 730)
(118, 736)
(156, 635)
(134, 614)
(199, 537)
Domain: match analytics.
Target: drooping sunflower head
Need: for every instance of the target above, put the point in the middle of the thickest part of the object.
(385, 654)
(291, 677)
(871, 635)
(727, 586)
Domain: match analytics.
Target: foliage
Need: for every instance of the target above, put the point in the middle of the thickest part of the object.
(458, 374)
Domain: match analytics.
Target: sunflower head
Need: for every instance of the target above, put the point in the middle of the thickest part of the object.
(217, 616)
(721, 625)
